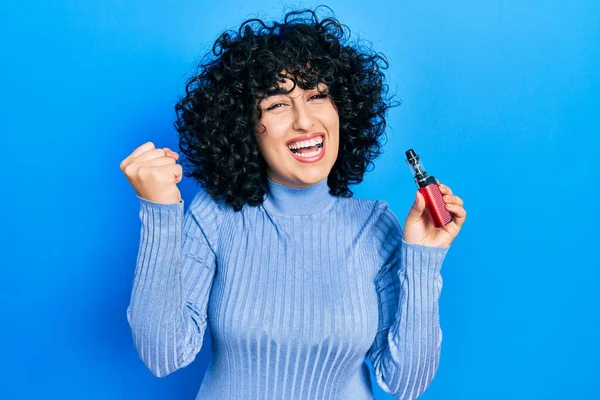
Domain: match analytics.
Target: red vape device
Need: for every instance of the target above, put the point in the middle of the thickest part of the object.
(434, 203)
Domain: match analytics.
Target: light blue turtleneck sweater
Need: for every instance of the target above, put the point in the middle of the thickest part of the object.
(297, 293)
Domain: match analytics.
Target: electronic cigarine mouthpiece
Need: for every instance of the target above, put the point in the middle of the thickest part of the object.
(411, 156)
(417, 168)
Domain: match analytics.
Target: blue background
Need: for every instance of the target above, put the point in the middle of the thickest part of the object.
(500, 98)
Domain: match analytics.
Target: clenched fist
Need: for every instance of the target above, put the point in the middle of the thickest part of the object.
(154, 173)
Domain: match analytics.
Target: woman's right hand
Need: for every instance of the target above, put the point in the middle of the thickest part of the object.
(154, 173)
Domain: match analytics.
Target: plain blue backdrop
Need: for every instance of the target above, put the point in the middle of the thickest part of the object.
(500, 98)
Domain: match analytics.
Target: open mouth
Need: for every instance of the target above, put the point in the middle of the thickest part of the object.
(307, 149)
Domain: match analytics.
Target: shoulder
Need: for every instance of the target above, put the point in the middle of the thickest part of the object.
(203, 203)
(387, 231)
(387, 219)
(377, 212)
(378, 226)
(360, 208)
(208, 214)
(375, 219)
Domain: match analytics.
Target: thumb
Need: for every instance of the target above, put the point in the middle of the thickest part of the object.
(416, 211)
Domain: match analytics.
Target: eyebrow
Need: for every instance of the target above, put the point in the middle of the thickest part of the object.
(282, 92)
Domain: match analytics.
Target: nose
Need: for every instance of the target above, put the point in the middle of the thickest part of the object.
(303, 119)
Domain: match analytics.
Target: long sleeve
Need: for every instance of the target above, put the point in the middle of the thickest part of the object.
(406, 351)
(174, 272)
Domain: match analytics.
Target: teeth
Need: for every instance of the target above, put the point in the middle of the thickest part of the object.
(309, 155)
(306, 143)
(297, 151)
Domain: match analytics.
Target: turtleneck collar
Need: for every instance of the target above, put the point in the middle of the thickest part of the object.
(291, 201)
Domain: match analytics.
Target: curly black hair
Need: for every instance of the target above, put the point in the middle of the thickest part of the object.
(217, 119)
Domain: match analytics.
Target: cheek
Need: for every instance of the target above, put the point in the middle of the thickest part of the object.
(273, 129)
(336, 144)
(270, 148)
(260, 139)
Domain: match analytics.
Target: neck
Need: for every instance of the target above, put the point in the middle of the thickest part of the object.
(293, 201)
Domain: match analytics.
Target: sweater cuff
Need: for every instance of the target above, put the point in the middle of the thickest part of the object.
(162, 216)
(426, 249)
(150, 203)
(428, 257)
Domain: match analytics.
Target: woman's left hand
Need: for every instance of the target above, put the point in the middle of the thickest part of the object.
(419, 228)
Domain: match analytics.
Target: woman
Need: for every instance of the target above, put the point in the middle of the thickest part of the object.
(299, 282)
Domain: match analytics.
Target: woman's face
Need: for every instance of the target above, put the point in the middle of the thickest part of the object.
(300, 137)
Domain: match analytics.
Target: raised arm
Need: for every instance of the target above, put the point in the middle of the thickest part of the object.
(406, 351)
(174, 273)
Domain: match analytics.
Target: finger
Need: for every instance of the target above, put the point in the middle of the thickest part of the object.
(171, 153)
(441, 186)
(416, 211)
(164, 173)
(172, 173)
(459, 214)
(445, 189)
(175, 172)
(157, 162)
(149, 155)
(453, 200)
(139, 150)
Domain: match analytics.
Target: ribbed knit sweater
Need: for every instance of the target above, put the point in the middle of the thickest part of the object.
(297, 293)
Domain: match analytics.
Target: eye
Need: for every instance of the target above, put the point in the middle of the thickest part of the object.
(316, 96)
(274, 106)
(320, 96)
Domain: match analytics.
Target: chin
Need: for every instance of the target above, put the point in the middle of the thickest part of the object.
(303, 175)
(313, 178)
(300, 180)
